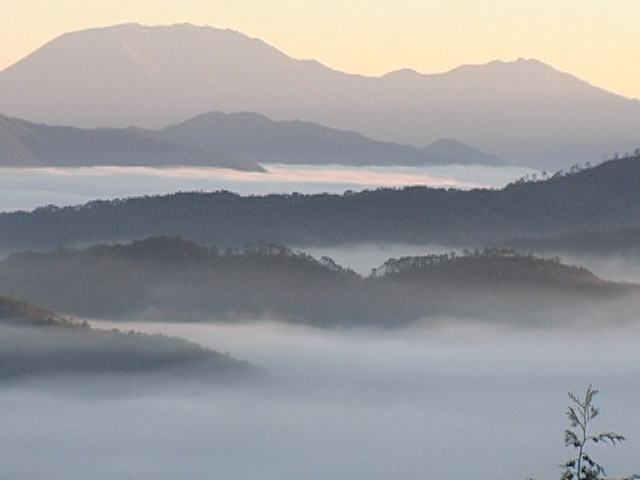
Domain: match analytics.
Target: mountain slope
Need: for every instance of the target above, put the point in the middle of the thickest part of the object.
(600, 199)
(172, 278)
(623, 243)
(241, 141)
(253, 136)
(525, 112)
(38, 342)
(447, 151)
(24, 144)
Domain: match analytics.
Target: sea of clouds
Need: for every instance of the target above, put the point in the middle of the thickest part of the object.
(458, 401)
(29, 188)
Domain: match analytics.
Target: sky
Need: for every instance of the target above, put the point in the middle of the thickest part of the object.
(596, 40)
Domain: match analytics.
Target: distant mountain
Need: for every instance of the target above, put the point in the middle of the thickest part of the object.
(256, 138)
(24, 144)
(170, 278)
(448, 151)
(524, 111)
(38, 342)
(240, 141)
(599, 199)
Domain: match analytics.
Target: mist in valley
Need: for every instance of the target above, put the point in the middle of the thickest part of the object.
(443, 398)
(621, 268)
(29, 188)
(414, 403)
(364, 257)
(236, 336)
(438, 399)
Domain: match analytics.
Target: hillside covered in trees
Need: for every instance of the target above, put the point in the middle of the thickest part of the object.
(625, 243)
(598, 199)
(172, 279)
(37, 342)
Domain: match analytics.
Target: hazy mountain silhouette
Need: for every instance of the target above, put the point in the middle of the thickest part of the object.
(256, 138)
(599, 199)
(240, 141)
(447, 151)
(170, 279)
(525, 112)
(24, 144)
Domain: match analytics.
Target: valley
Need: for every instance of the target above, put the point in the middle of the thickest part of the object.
(222, 259)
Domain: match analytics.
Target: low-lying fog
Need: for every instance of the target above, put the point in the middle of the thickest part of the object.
(363, 257)
(448, 403)
(29, 188)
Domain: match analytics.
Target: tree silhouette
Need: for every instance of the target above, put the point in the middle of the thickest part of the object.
(580, 414)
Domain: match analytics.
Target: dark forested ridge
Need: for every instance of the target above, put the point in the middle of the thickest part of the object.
(599, 199)
(38, 342)
(173, 279)
(624, 242)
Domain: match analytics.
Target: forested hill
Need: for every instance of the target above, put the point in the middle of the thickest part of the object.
(35, 341)
(603, 198)
(624, 243)
(20, 312)
(173, 279)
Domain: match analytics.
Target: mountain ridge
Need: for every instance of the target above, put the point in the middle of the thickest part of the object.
(594, 200)
(169, 277)
(254, 136)
(524, 112)
(26, 144)
(37, 342)
(240, 140)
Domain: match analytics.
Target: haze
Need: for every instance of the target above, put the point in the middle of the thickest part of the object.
(413, 404)
(27, 189)
(448, 367)
(524, 112)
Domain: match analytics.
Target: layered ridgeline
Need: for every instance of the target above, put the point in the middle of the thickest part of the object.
(170, 279)
(524, 111)
(24, 144)
(600, 199)
(36, 342)
(256, 137)
(240, 141)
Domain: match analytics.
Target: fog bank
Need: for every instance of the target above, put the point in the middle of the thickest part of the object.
(446, 403)
(363, 257)
(29, 188)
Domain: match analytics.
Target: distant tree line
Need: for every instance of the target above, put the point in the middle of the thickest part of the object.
(169, 278)
(573, 170)
(596, 199)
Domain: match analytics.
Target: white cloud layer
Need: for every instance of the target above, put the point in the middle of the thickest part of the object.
(456, 402)
(29, 188)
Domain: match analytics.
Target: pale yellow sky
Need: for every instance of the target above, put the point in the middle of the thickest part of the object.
(596, 40)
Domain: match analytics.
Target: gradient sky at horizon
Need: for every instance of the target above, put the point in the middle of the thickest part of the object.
(596, 40)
